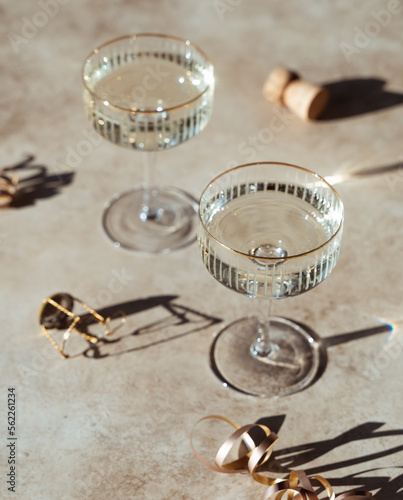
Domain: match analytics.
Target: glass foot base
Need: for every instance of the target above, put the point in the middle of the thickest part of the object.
(291, 366)
(166, 223)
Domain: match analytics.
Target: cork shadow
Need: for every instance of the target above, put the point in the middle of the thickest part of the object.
(173, 322)
(358, 96)
(34, 182)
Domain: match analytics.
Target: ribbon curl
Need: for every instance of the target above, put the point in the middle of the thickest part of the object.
(297, 487)
(256, 456)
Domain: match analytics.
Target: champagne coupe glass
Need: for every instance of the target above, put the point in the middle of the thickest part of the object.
(268, 231)
(149, 92)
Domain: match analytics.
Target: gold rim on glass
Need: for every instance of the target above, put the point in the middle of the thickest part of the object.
(273, 259)
(144, 35)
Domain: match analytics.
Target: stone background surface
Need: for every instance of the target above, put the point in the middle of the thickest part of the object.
(115, 423)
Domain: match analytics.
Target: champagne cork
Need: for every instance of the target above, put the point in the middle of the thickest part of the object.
(306, 100)
(5, 199)
(8, 188)
(276, 83)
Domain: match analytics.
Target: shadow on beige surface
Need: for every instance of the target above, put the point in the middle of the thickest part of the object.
(152, 321)
(34, 182)
(324, 344)
(391, 171)
(358, 96)
(297, 457)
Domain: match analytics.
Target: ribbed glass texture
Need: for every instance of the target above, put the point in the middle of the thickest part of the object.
(270, 230)
(168, 102)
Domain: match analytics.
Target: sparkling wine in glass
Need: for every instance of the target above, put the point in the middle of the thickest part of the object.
(268, 231)
(149, 92)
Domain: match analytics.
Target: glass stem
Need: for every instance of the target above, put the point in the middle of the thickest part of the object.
(263, 347)
(148, 208)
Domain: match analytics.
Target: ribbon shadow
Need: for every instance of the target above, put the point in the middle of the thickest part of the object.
(285, 460)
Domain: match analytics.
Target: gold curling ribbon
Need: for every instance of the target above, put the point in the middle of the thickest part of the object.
(297, 487)
(63, 313)
(249, 462)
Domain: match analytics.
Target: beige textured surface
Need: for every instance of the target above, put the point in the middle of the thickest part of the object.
(118, 426)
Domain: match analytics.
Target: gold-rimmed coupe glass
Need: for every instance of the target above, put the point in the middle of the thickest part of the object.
(268, 231)
(149, 92)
